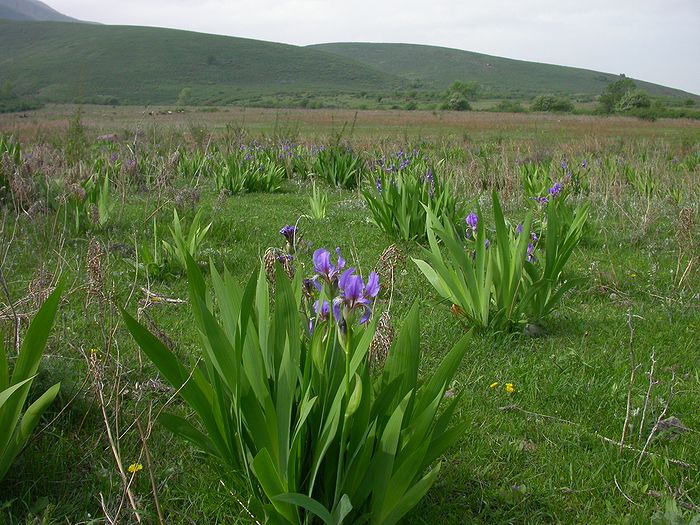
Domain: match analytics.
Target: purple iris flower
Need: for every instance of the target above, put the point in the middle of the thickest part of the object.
(323, 266)
(487, 244)
(556, 189)
(355, 295)
(378, 185)
(472, 220)
(519, 229)
(531, 253)
(322, 309)
(431, 180)
(289, 232)
(584, 164)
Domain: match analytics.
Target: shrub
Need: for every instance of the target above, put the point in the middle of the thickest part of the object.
(552, 103)
(633, 99)
(458, 102)
(614, 92)
(510, 106)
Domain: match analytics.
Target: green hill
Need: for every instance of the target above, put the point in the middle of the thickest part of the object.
(62, 62)
(434, 67)
(138, 65)
(31, 10)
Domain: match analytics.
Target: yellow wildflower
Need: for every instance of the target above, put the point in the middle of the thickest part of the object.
(135, 467)
(510, 388)
(494, 385)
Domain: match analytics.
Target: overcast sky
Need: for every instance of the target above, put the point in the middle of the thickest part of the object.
(653, 40)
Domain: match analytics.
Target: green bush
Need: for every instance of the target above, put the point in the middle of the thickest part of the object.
(633, 99)
(509, 106)
(613, 93)
(552, 103)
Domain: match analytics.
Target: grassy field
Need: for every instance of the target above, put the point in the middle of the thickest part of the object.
(621, 344)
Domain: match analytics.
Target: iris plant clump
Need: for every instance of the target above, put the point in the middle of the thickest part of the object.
(339, 165)
(405, 185)
(503, 285)
(287, 402)
(250, 169)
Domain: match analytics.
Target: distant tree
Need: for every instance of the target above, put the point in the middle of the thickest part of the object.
(458, 102)
(633, 99)
(469, 90)
(7, 91)
(185, 97)
(552, 103)
(613, 93)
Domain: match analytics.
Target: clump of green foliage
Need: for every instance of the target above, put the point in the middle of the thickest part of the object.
(406, 186)
(16, 425)
(185, 244)
(288, 403)
(552, 103)
(339, 165)
(504, 283)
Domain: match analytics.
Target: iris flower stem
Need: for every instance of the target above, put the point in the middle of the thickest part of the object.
(346, 348)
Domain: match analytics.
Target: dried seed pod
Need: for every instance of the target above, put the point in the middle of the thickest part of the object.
(95, 268)
(382, 341)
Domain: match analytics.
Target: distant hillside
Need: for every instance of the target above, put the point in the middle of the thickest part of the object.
(31, 10)
(437, 67)
(138, 65)
(60, 62)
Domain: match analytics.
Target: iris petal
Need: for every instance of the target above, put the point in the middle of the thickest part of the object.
(372, 288)
(341, 261)
(322, 262)
(366, 314)
(343, 281)
(353, 289)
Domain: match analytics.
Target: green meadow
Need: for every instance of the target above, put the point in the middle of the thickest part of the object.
(585, 414)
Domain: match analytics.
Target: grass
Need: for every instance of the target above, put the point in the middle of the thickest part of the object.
(546, 453)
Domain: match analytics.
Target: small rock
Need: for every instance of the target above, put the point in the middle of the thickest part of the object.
(533, 330)
(672, 425)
